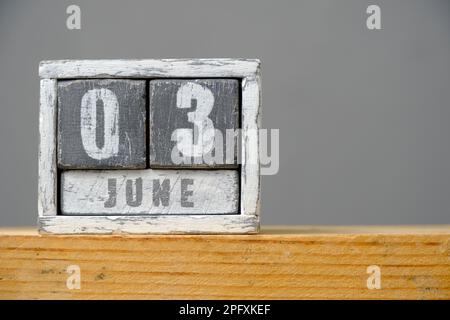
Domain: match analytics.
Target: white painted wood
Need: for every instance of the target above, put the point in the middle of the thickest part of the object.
(164, 68)
(173, 118)
(47, 197)
(160, 224)
(250, 170)
(88, 123)
(131, 192)
(122, 119)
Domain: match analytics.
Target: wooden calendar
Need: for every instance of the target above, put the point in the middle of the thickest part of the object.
(149, 146)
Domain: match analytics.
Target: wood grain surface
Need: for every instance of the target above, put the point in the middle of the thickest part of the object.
(280, 263)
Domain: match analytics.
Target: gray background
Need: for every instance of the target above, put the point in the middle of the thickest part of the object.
(363, 115)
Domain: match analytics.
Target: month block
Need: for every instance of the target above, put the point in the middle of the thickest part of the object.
(101, 124)
(193, 123)
(146, 192)
(149, 146)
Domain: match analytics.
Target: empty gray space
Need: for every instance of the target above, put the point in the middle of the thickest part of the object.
(362, 114)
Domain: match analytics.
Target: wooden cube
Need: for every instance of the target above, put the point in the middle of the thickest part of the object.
(149, 192)
(101, 124)
(192, 121)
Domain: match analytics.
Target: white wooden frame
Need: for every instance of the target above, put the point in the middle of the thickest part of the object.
(248, 71)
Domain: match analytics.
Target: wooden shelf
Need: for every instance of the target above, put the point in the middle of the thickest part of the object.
(280, 263)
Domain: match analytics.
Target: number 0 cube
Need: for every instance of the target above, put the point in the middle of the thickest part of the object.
(101, 124)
